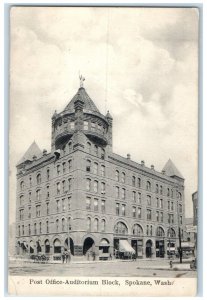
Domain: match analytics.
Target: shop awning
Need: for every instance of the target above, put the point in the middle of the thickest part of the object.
(124, 246)
(188, 245)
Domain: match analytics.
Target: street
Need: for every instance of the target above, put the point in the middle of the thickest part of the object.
(117, 268)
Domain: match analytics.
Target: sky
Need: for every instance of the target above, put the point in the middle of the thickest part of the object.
(141, 64)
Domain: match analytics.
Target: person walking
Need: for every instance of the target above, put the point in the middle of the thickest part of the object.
(63, 257)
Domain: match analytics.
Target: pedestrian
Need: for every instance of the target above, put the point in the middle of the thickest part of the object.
(63, 257)
(69, 256)
(66, 256)
(94, 255)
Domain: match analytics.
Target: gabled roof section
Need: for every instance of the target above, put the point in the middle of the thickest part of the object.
(171, 170)
(88, 103)
(31, 151)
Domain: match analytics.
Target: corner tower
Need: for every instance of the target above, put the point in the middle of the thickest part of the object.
(81, 115)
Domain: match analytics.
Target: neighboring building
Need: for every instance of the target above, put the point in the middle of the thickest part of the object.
(195, 208)
(85, 192)
(189, 233)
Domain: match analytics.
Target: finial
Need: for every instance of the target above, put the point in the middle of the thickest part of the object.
(81, 80)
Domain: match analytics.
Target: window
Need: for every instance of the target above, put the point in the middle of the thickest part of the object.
(58, 205)
(88, 147)
(134, 196)
(103, 188)
(149, 200)
(161, 203)
(148, 186)
(121, 228)
(63, 205)
(21, 185)
(30, 181)
(48, 174)
(35, 228)
(151, 230)
(69, 203)
(96, 225)
(96, 150)
(137, 230)
(180, 208)
(168, 205)
(40, 227)
(168, 192)
(139, 182)
(72, 125)
(133, 180)
(103, 208)
(95, 186)
(21, 214)
(22, 229)
(123, 210)
(100, 127)
(103, 225)
(181, 220)
(157, 188)
(21, 200)
(29, 212)
(123, 193)
(172, 205)
(117, 192)
(88, 165)
(57, 225)
(88, 203)
(58, 169)
(161, 190)
(29, 229)
(139, 198)
(38, 195)
(102, 170)
(117, 209)
(149, 214)
(157, 202)
(47, 227)
(19, 231)
(179, 196)
(48, 192)
(70, 146)
(95, 168)
(170, 218)
(88, 224)
(85, 125)
(64, 150)
(160, 232)
(58, 188)
(117, 175)
(69, 223)
(38, 209)
(139, 214)
(157, 216)
(64, 168)
(38, 178)
(69, 184)
(102, 153)
(63, 225)
(134, 212)
(63, 185)
(88, 184)
(123, 177)
(95, 204)
(93, 126)
(147, 230)
(70, 165)
(161, 216)
(171, 193)
(47, 208)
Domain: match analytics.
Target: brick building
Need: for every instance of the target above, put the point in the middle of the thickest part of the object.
(83, 192)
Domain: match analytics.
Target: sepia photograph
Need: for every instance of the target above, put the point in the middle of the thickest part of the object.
(103, 151)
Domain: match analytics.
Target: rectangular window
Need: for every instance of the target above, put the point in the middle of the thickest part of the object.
(21, 214)
(123, 210)
(139, 214)
(149, 214)
(95, 204)
(168, 205)
(88, 203)
(103, 208)
(161, 216)
(38, 211)
(134, 212)
(161, 203)
(117, 209)
(157, 216)
(181, 220)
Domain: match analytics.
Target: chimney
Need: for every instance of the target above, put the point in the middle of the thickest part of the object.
(152, 167)
(128, 156)
(142, 162)
(44, 152)
(34, 157)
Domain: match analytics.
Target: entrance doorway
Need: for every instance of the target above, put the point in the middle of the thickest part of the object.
(160, 248)
(57, 246)
(88, 245)
(47, 246)
(71, 245)
(149, 249)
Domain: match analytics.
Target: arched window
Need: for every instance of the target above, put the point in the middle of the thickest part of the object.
(57, 225)
(88, 184)
(120, 228)
(117, 192)
(58, 188)
(157, 188)
(137, 230)
(102, 153)
(29, 229)
(103, 225)
(47, 227)
(95, 186)
(123, 177)
(35, 228)
(30, 181)
(168, 192)
(22, 185)
(21, 200)
(123, 194)
(117, 175)
(48, 174)
(179, 196)
(160, 232)
(133, 180)
(88, 147)
(40, 227)
(96, 225)
(148, 186)
(38, 195)
(139, 182)
(151, 230)
(95, 168)
(171, 233)
(70, 146)
(102, 170)
(88, 224)
(161, 191)
(63, 225)
(96, 150)
(38, 178)
(88, 165)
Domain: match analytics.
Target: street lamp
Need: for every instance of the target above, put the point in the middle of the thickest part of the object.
(179, 231)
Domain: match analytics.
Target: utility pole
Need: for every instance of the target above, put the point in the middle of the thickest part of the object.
(68, 234)
(180, 248)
